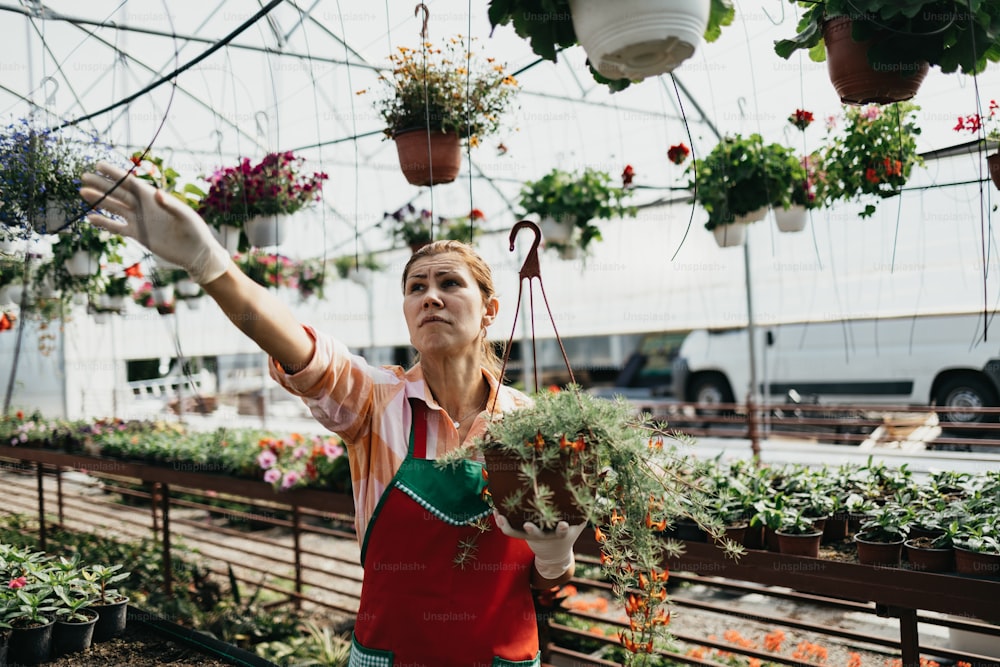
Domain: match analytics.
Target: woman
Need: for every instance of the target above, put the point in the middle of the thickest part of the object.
(418, 607)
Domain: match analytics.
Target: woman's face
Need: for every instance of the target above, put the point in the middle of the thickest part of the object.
(444, 307)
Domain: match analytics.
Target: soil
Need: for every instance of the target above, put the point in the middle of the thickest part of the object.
(138, 647)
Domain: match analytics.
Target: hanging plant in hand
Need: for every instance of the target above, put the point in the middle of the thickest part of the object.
(573, 456)
(273, 186)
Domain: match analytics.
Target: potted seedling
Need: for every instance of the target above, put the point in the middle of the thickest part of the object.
(880, 541)
(111, 605)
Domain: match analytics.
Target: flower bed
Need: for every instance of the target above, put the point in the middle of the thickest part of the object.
(286, 461)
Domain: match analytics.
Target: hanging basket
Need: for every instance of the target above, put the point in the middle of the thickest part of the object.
(791, 219)
(635, 39)
(853, 76)
(993, 162)
(229, 237)
(730, 236)
(422, 167)
(505, 481)
(81, 263)
(266, 230)
(556, 231)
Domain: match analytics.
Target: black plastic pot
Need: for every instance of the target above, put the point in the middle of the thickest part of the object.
(30, 646)
(111, 620)
(73, 637)
(4, 637)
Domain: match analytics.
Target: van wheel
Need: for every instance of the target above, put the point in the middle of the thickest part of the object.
(958, 394)
(711, 389)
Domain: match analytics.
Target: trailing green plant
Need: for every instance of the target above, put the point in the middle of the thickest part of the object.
(346, 263)
(548, 26)
(577, 198)
(625, 476)
(318, 646)
(952, 34)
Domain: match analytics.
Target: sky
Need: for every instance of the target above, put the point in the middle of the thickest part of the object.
(928, 250)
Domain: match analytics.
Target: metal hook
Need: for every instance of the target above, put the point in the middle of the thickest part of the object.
(530, 268)
(261, 127)
(769, 18)
(50, 99)
(741, 102)
(427, 14)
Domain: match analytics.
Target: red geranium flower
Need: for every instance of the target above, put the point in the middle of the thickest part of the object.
(628, 175)
(678, 153)
(801, 119)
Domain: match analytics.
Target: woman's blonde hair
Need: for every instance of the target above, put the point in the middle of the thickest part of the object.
(483, 276)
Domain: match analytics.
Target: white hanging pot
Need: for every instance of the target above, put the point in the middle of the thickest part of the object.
(791, 219)
(163, 295)
(556, 231)
(229, 237)
(633, 39)
(752, 216)
(47, 288)
(100, 317)
(107, 302)
(266, 230)
(81, 263)
(730, 236)
(569, 252)
(9, 243)
(194, 304)
(52, 220)
(187, 288)
(80, 299)
(10, 295)
(360, 276)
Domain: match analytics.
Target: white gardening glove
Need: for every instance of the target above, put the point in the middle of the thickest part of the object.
(170, 229)
(553, 550)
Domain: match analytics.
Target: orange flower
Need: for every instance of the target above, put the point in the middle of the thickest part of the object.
(871, 175)
(773, 640)
(854, 660)
(598, 535)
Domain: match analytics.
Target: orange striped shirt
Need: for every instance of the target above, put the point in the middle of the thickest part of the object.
(368, 406)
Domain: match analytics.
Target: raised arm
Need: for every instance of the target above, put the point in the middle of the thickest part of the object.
(173, 231)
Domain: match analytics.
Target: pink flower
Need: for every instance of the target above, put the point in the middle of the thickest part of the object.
(332, 450)
(19, 582)
(291, 479)
(299, 452)
(272, 475)
(871, 112)
(266, 459)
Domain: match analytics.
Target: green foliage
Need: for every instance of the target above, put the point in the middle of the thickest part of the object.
(889, 523)
(445, 90)
(153, 170)
(872, 156)
(625, 475)
(741, 175)
(952, 34)
(576, 197)
(345, 263)
(317, 647)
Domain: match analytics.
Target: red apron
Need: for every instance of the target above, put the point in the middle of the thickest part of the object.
(417, 607)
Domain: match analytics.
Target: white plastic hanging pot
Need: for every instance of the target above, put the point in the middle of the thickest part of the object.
(229, 237)
(266, 230)
(187, 288)
(163, 295)
(10, 295)
(753, 216)
(633, 39)
(80, 264)
(556, 231)
(108, 302)
(730, 236)
(194, 304)
(791, 219)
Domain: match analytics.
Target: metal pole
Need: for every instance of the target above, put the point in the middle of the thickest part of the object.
(297, 540)
(168, 571)
(39, 472)
(752, 336)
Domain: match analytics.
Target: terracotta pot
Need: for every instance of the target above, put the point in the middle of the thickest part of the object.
(420, 167)
(771, 540)
(687, 530)
(853, 76)
(923, 559)
(796, 544)
(754, 538)
(976, 563)
(504, 481)
(878, 553)
(993, 162)
(738, 533)
(835, 528)
(633, 39)
(730, 236)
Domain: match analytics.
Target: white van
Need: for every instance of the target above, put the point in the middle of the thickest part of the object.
(942, 360)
